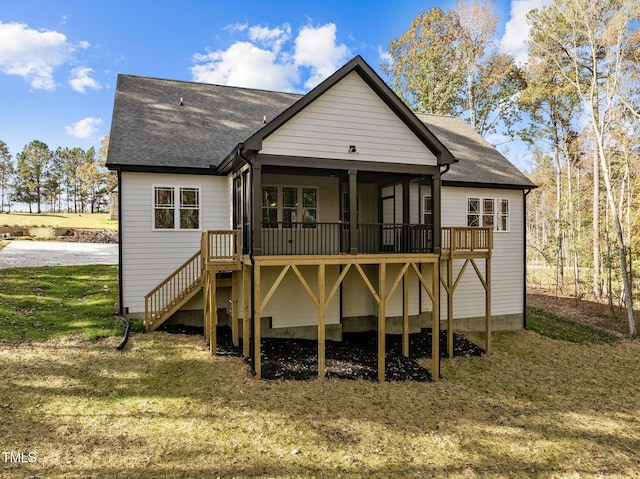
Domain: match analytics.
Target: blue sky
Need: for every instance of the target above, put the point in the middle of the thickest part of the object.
(59, 59)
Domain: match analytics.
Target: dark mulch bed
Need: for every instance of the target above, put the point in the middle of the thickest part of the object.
(355, 357)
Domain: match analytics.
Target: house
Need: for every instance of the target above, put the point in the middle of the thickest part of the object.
(311, 215)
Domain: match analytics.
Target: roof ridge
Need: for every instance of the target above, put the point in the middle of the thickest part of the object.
(189, 82)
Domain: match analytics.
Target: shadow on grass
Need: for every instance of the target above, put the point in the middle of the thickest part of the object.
(534, 408)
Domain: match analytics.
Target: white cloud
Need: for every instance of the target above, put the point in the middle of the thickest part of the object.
(236, 27)
(245, 65)
(273, 38)
(316, 48)
(81, 79)
(32, 54)
(516, 31)
(264, 62)
(84, 128)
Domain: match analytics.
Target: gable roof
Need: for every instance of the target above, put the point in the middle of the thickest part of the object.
(151, 129)
(383, 91)
(478, 161)
(169, 125)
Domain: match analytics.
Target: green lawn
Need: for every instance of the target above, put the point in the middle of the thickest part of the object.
(59, 220)
(556, 327)
(536, 407)
(42, 303)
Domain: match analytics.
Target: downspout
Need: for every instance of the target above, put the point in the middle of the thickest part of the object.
(120, 287)
(524, 256)
(252, 322)
(127, 330)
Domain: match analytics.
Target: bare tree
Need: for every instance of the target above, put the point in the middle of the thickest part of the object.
(588, 42)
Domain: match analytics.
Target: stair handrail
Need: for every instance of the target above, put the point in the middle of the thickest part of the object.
(168, 291)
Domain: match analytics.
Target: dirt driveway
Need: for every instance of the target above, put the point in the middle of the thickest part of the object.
(22, 254)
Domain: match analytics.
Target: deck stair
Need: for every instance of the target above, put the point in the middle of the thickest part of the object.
(219, 251)
(173, 292)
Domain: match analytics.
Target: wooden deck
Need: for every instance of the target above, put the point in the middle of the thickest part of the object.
(221, 252)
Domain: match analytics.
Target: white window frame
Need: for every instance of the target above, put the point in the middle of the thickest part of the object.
(176, 207)
(300, 207)
(496, 214)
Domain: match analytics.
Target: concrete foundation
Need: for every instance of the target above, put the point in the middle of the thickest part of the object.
(509, 322)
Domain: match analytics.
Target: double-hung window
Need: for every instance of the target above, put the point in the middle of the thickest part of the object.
(488, 212)
(176, 208)
(289, 206)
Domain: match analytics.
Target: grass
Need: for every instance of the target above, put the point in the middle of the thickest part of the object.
(535, 408)
(555, 327)
(54, 302)
(59, 220)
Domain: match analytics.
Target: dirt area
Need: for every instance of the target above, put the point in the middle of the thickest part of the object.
(90, 236)
(355, 357)
(587, 311)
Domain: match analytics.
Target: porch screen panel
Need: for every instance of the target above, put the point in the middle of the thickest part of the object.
(289, 207)
(309, 207)
(269, 207)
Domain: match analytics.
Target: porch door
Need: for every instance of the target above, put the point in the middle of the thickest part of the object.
(388, 220)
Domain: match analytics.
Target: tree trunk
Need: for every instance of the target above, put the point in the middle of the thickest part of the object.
(622, 254)
(597, 291)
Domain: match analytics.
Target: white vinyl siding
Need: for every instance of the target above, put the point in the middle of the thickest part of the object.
(350, 113)
(148, 257)
(291, 305)
(507, 270)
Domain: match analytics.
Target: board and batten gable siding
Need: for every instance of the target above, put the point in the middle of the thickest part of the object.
(148, 256)
(350, 113)
(507, 267)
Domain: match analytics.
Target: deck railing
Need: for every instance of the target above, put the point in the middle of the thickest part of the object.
(161, 299)
(458, 239)
(295, 238)
(395, 238)
(299, 238)
(221, 246)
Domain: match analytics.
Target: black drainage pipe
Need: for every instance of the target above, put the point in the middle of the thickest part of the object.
(127, 330)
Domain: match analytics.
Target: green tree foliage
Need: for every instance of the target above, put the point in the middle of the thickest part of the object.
(7, 171)
(70, 179)
(446, 64)
(425, 67)
(33, 168)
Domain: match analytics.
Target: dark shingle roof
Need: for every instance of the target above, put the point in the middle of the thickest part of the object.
(478, 161)
(150, 129)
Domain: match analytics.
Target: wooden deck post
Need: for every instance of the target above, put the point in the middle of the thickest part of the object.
(435, 322)
(382, 330)
(246, 312)
(213, 313)
(205, 301)
(450, 292)
(405, 314)
(234, 308)
(487, 277)
(321, 320)
(257, 309)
